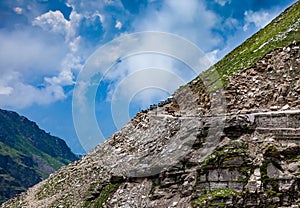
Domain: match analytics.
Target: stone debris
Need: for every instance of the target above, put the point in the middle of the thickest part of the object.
(198, 156)
(253, 90)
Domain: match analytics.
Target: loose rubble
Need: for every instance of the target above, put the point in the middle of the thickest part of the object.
(245, 156)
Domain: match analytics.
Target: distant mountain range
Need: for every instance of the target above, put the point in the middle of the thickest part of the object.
(27, 154)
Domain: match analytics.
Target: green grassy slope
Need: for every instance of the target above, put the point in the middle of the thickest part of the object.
(281, 32)
(27, 154)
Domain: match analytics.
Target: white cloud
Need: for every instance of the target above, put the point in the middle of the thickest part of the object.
(231, 23)
(30, 53)
(53, 21)
(53, 60)
(15, 93)
(118, 24)
(25, 59)
(223, 2)
(75, 19)
(191, 20)
(18, 10)
(5, 90)
(145, 65)
(73, 62)
(259, 18)
(88, 8)
(64, 78)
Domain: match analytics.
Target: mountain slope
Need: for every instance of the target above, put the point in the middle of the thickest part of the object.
(281, 32)
(27, 154)
(231, 146)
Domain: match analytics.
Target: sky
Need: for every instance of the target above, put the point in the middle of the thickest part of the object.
(46, 44)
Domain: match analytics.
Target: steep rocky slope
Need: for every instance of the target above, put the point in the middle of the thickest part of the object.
(231, 146)
(27, 154)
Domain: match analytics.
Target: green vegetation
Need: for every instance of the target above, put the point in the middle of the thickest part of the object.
(266, 180)
(232, 156)
(27, 154)
(103, 196)
(281, 32)
(213, 198)
(53, 185)
(226, 153)
(153, 187)
(271, 194)
(291, 154)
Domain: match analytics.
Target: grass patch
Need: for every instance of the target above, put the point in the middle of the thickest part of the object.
(104, 194)
(225, 153)
(216, 195)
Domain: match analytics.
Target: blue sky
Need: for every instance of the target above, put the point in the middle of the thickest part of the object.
(45, 44)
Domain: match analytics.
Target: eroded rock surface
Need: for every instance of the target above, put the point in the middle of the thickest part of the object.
(245, 156)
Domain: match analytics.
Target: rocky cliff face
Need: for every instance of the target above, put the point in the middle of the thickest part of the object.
(236, 146)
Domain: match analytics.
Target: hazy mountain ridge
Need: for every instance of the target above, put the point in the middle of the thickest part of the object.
(28, 154)
(251, 161)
